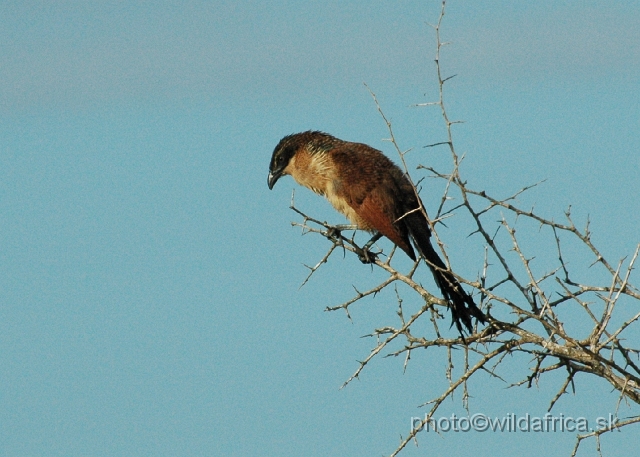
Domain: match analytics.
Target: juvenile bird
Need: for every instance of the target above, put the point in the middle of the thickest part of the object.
(374, 194)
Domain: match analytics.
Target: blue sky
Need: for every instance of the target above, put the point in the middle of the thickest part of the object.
(149, 280)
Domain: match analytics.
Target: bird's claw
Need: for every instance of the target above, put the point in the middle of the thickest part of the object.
(334, 233)
(366, 256)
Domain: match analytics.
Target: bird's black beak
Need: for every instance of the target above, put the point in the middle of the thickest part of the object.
(273, 178)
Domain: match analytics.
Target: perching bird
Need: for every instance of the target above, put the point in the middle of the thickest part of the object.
(374, 194)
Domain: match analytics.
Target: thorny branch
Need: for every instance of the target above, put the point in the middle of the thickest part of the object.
(527, 309)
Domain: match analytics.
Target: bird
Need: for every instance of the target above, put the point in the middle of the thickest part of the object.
(375, 195)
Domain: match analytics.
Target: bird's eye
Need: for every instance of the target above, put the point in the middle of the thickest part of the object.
(279, 159)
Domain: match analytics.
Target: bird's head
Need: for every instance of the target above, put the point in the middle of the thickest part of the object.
(312, 142)
(282, 154)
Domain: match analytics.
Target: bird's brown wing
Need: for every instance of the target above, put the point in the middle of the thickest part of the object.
(364, 182)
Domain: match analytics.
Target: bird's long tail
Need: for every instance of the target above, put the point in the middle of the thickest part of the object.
(462, 306)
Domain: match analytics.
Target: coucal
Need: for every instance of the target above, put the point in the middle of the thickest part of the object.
(375, 195)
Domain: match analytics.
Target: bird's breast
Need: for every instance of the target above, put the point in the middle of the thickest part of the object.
(318, 173)
(340, 203)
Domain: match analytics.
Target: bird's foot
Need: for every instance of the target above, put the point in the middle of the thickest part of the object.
(334, 233)
(366, 256)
